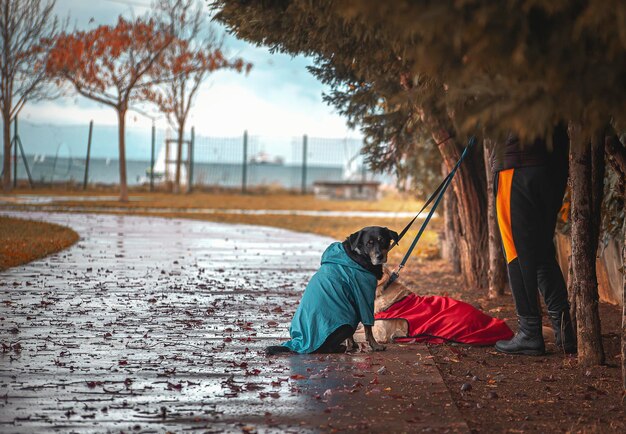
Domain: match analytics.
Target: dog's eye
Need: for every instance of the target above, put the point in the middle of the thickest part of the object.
(370, 242)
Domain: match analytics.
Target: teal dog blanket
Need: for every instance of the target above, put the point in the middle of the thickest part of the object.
(341, 292)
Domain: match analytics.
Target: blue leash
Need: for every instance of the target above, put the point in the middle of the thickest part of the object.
(437, 196)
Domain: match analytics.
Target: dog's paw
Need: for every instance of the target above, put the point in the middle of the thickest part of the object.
(378, 347)
(350, 349)
(351, 345)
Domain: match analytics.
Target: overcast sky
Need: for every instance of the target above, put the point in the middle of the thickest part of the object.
(278, 98)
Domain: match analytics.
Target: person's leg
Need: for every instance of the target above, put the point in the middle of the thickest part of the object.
(550, 277)
(554, 290)
(333, 343)
(518, 212)
(551, 283)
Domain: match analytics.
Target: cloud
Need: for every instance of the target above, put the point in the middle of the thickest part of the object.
(65, 112)
(229, 109)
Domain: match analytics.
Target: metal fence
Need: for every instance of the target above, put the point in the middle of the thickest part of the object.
(88, 154)
(294, 163)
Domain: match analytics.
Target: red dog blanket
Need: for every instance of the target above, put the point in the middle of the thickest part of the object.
(437, 319)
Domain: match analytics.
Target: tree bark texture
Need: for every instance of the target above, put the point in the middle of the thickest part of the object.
(624, 305)
(571, 293)
(584, 247)
(121, 115)
(497, 264)
(450, 251)
(469, 189)
(598, 169)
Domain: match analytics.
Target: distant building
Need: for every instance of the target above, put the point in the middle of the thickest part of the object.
(346, 190)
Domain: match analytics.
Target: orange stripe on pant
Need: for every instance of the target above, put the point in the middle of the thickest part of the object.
(503, 211)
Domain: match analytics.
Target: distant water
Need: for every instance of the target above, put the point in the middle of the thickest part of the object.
(217, 159)
(106, 171)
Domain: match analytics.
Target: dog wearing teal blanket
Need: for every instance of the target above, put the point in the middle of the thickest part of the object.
(340, 295)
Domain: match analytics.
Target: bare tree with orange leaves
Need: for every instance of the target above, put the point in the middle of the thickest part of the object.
(111, 65)
(193, 55)
(23, 24)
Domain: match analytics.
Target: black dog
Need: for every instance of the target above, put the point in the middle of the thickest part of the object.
(340, 295)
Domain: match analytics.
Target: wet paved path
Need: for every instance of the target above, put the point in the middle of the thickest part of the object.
(151, 324)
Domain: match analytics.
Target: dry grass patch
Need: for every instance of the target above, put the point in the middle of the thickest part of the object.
(167, 204)
(23, 241)
(221, 200)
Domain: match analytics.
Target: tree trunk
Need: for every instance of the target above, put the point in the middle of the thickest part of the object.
(450, 251)
(6, 140)
(584, 247)
(624, 303)
(179, 156)
(121, 116)
(598, 169)
(469, 190)
(497, 264)
(571, 292)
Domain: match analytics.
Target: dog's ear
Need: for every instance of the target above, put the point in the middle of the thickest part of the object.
(355, 240)
(393, 235)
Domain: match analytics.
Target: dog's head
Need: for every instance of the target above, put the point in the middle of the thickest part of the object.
(372, 242)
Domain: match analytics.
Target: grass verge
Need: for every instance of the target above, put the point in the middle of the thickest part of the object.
(167, 204)
(225, 200)
(22, 241)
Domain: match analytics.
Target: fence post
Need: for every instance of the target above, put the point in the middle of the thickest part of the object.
(190, 172)
(88, 155)
(166, 171)
(152, 140)
(25, 161)
(15, 153)
(18, 142)
(244, 174)
(305, 140)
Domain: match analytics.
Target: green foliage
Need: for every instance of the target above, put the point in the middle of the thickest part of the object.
(519, 65)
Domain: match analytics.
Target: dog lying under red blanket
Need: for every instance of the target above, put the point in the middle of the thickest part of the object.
(402, 316)
(438, 319)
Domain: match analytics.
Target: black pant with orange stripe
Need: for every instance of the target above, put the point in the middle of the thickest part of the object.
(528, 200)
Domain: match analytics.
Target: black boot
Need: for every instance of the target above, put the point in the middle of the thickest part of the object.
(528, 340)
(563, 330)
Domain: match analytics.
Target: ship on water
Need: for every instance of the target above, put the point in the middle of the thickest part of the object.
(266, 159)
